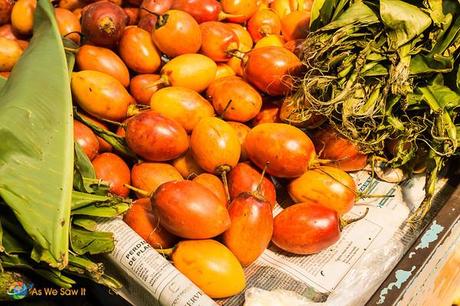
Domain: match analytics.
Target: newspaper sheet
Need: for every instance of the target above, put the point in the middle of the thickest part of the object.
(151, 280)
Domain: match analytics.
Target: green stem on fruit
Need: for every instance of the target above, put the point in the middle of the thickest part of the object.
(138, 190)
(344, 223)
(258, 192)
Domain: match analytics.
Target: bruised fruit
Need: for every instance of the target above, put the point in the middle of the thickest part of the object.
(155, 137)
(103, 23)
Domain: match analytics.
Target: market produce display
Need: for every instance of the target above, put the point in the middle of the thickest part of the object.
(187, 117)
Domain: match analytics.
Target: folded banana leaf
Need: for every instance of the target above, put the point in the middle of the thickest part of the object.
(36, 155)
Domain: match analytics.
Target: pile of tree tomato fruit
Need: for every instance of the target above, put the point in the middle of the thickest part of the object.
(195, 88)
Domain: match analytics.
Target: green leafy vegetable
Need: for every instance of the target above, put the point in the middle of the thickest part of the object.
(36, 159)
(385, 75)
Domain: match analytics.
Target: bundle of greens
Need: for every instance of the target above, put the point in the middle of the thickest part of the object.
(49, 195)
(385, 74)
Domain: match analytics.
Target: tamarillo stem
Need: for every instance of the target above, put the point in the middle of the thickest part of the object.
(138, 190)
(344, 223)
(222, 171)
(166, 252)
(258, 192)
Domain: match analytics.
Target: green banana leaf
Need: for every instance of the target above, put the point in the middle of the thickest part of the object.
(2, 82)
(36, 155)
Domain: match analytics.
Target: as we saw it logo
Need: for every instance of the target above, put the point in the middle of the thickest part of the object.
(19, 290)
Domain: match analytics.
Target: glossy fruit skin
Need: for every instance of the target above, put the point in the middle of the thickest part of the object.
(184, 105)
(244, 179)
(269, 69)
(245, 41)
(72, 5)
(201, 10)
(242, 131)
(342, 152)
(328, 186)
(245, 8)
(10, 52)
(251, 228)
(103, 23)
(194, 71)
(22, 16)
(217, 40)
(187, 166)
(270, 41)
(215, 145)
(264, 22)
(67, 23)
(295, 25)
(155, 137)
(158, 7)
(246, 101)
(100, 95)
(210, 266)
(86, 138)
(143, 220)
(306, 228)
(7, 31)
(224, 70)
(173, 27)
(104, 146)
(237, 65)
(112, 169)
(285, 7)
(190, 210)
(143, 86)
(103, 60)
(6, 6)
(149, 176)
(138, 51)
(214, 184)
(287, 149)
(270, 113)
